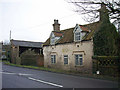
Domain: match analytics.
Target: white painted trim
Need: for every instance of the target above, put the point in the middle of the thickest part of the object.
(78, 30)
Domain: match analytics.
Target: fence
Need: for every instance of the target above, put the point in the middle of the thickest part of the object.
(106, 65)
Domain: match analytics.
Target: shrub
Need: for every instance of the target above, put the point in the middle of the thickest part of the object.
(28, 58)
(106, 57)
(18, 60)
(107, 65)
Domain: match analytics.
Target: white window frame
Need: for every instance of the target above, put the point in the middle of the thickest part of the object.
(77, 33)
(52, 39)
(53, 59)
(65, 58)
(77, 36)
(79, 61)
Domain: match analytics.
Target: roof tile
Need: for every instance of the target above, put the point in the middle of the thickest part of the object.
(68, 35)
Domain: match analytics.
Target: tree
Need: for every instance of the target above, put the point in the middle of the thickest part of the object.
(106, 38)
(91, 8)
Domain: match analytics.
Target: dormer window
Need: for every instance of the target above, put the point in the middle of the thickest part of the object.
(55, 36)
(52, 40)
(77, 33)
(77, 36)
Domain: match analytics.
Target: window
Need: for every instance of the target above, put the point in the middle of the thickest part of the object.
(78, 59)
(77, 36)
(53, 59)
(52, 40)
(65, 59)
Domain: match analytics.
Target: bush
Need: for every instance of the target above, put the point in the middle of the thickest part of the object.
(107, 65)
(18, 60)
(106, 57)
(28, 58)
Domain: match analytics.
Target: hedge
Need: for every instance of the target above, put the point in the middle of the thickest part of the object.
(107, 65)
(106, 57)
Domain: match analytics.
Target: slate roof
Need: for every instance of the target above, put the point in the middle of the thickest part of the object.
(26, 43)
(68, 35)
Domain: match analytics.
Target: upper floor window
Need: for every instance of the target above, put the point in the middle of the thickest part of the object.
(77, 36)
(52, 40)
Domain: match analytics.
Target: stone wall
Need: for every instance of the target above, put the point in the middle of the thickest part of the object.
(85, 48)
(14, 53)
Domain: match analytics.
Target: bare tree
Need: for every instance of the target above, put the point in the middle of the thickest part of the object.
(91, 8)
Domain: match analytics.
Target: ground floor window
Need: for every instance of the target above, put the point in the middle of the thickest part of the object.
(78, 59)
(65, 59)
(53, 59)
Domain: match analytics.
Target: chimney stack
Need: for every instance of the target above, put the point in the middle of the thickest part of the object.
(56, 25)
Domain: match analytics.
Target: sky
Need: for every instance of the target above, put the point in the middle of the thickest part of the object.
(31, 20)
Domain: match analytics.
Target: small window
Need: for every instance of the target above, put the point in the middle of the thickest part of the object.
(52, 40)
(79, 59)
(77, 36)
(65, 59)
(53, 59)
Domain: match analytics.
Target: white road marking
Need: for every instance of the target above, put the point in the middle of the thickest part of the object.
(7, 73)
(23, 74)
(20, 74)
(53, 84)
(45, 82)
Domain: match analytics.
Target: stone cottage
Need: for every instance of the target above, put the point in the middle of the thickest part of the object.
(70, 49)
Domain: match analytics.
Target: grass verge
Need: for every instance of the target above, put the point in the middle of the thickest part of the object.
(103, 77)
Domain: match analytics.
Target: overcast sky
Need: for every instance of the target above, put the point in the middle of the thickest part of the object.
(31, 20)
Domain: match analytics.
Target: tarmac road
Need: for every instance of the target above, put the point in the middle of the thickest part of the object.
(17, 77)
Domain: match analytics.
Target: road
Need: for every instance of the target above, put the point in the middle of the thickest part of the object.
(17, 77)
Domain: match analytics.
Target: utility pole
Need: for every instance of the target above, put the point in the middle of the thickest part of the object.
(10, 34)
(9, 51)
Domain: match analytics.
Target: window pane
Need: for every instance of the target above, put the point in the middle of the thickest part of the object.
(65, 59)
(77, 36)
(78, 59)
(81, 61)
(53, 59)
(80, 56)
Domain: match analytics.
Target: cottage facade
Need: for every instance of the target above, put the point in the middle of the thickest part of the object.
(70, 49)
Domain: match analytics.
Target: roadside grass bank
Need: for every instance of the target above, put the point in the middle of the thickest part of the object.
(95, 76)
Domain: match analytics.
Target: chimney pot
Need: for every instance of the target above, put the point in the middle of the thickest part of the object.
(56, 25)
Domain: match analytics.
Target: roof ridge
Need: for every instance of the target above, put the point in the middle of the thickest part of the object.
(68, 29)
(89, 23)
(26, 41)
